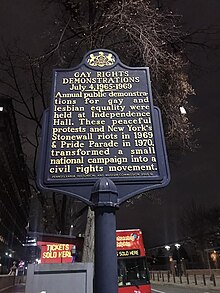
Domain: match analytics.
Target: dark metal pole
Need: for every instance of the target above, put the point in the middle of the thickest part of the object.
(105, 199)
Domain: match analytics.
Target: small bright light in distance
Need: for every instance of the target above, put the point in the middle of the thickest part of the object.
(177, 245)
(38, 260)
(167, 247)
(10, 255)
(182, 110)
(1, 109)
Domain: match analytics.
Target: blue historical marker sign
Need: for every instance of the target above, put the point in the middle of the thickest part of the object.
(102, 123)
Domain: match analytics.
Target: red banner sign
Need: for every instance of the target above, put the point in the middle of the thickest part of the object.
(56, 252)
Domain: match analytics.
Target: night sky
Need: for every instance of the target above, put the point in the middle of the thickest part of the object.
(195, 176)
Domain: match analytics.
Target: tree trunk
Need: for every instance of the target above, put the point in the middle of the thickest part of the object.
(88, 248)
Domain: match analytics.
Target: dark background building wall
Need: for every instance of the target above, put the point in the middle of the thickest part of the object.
(14, 187)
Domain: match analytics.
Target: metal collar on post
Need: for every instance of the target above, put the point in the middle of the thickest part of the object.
(104, 193)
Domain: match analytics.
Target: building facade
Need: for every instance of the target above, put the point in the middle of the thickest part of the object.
(14, 188)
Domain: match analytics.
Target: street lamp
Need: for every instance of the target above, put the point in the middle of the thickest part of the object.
(167, 247)
(177, 245)
(71, 230)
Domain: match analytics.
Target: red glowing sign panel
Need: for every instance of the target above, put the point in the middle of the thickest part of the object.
(56, 252)
(130, 243)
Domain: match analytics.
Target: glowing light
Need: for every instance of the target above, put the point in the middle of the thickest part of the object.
(182, 110)
(177, 245)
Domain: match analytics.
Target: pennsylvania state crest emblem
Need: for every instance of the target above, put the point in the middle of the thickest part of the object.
(101, 59)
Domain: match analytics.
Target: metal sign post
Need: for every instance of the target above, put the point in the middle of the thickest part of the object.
(104, 197)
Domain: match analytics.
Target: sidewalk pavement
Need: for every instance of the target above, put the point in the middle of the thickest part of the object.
(20, 288)
(200, 282)
(199, 286)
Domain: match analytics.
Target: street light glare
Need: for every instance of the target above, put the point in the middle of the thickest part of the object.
(177, 245)
(182, 110)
